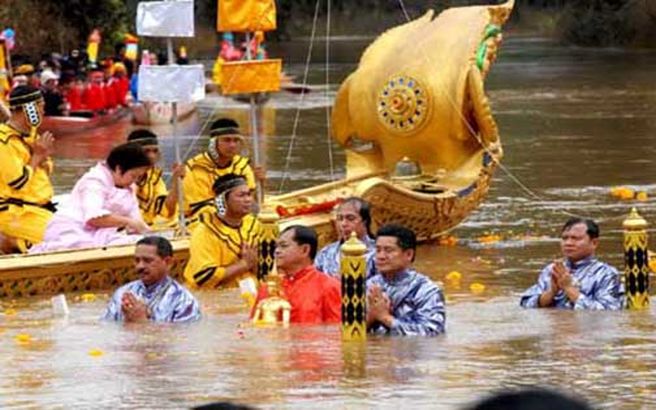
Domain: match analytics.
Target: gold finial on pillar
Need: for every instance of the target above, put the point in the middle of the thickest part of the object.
(354, 292)
(636, 261)
(270, 230)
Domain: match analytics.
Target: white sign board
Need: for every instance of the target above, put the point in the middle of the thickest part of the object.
(171, 83)
(166, 18)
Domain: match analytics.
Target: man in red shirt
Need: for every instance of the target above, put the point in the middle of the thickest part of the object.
(314, 296)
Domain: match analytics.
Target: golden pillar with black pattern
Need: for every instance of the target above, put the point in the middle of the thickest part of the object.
(270, 230)
(636, 261)
(354, 293)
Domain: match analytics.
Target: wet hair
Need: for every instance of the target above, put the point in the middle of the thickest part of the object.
(164, 247)
(405, 238)
(304, 235)
(364, 209)
(530, 399)
(127, 156)
(592, 229)
(227, 182)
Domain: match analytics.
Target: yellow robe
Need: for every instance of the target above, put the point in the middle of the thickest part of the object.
(215, 246)
(22, 189)
(151, 194)
(200, 175)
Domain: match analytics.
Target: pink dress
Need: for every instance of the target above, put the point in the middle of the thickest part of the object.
(93, 196)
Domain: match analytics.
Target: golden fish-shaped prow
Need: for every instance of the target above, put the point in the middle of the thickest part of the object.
(418, 92)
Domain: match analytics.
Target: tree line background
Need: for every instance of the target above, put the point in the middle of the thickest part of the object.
(53, 25)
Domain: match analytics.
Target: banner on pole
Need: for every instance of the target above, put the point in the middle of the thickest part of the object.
(166, 18)
(246, 15)
(255, 76)
(171, 83)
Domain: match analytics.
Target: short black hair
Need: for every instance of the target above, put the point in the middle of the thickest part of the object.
(304, 235)
(164, 247)
(592, 229)
(530, 399)
(226, 181)
(224, 123)
(127, 156)
(405, 238)
(364, 209)
(141, 134)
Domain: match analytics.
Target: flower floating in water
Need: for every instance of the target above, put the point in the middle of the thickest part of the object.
(652, 263)
(453, 276)
(490, 238)
(88, 297)
(641, 196)
(449, 240)
(23, 338)
(622, 192)
(477, 288)
(9, 312)
(96, 353)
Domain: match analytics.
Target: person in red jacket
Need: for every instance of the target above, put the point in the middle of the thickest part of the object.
(94, 96)
(314, 296)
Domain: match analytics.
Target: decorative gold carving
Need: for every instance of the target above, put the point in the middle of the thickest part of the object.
(403, 104)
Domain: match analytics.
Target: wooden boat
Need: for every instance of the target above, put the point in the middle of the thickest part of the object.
(418, 132)
(159, 113)
(67, 125)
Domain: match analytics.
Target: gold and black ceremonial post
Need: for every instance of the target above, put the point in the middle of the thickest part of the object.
(636, 261)
(354, 293)
(270, 230)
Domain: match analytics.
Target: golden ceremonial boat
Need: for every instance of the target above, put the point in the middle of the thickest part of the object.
(419, 136)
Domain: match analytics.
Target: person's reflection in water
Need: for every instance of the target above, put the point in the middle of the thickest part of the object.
(530, 399)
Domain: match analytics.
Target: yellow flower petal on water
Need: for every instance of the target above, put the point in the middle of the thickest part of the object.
(9, 312)
(477, 288)
(23, 338)
(88, 297)
(453, 276)
(96, 352)
(652, 264)
(641, 196)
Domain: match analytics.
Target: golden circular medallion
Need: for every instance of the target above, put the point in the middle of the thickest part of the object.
(402, 104)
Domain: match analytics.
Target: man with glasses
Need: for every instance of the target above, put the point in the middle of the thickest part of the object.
(155, 201)
(353, 215)
(314, 297)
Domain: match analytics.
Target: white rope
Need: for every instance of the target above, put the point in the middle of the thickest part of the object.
(301, 98)
(476, 136)
(328, 106)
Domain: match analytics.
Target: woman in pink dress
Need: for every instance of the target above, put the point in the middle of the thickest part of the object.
(102, 202)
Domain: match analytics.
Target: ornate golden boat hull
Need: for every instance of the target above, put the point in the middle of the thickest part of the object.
(396, 103)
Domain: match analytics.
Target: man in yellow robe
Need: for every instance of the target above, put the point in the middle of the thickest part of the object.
(25, 167)
(221, 158)
(157, 204)
(224, 245)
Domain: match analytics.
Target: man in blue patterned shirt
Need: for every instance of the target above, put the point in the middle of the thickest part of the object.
(580, 280)
(353, 215)
(156, 296)
(401, 301)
